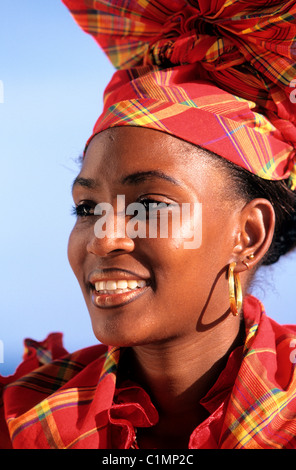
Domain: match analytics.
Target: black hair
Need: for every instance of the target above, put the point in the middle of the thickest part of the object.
(283, 200)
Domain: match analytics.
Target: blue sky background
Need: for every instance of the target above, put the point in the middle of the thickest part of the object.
(54, 76)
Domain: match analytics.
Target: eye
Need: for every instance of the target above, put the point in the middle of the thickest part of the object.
(151, 204)
(83, 209)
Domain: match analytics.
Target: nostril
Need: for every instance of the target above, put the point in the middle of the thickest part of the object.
(110, 246)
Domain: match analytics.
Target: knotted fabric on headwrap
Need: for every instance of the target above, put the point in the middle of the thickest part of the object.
(220, 74)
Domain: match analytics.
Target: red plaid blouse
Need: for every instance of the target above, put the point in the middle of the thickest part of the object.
(71, 401)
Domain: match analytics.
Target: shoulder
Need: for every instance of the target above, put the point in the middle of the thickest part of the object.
(50, 354)
(46, 368)
(268, 338)
(264, 393)
(52, 369)
(255, 314)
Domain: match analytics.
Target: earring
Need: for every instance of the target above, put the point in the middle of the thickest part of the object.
(246, 263)
(235, 290)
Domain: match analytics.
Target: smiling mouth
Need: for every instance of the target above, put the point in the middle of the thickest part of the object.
(113, 287)
(112, 293)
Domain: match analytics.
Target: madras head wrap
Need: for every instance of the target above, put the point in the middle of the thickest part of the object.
(220, 74)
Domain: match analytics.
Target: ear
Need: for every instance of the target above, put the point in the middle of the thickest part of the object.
(257, 224)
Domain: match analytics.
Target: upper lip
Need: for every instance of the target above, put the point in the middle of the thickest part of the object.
(114, 274)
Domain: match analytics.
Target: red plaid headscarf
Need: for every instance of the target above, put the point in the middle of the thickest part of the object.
(220, 74)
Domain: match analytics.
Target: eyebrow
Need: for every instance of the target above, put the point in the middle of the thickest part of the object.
(134, 178)
(142, 176)
(85, 182)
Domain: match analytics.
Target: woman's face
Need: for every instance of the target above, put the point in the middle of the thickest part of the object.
(142, 290)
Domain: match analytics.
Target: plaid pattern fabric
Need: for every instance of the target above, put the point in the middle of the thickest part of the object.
(57, 404)
(259, 420)
(74, 401)
(163, 50)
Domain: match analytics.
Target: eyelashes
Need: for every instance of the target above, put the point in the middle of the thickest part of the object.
(87, 208)
(153, 204)
(84, 209)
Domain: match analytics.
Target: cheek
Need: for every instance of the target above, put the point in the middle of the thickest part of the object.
(76, 252)
(191, 262)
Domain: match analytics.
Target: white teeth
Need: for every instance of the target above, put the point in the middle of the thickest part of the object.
(118, 287)
(101, 285)
(111, 285)
(132, 284)
(121, 284)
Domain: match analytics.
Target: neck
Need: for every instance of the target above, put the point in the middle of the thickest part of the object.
(178, 373)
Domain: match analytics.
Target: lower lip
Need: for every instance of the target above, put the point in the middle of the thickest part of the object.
(116, 300)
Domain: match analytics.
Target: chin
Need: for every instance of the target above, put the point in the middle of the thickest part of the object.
(122, 326)
(114, 331)
(125, 334)
(117, 339)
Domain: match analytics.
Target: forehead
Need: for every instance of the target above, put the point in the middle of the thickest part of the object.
(130, 149)
(134, 143)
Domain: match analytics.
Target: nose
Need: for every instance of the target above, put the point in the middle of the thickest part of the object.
(109, 237)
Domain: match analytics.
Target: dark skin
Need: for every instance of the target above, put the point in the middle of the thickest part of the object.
(178, 327)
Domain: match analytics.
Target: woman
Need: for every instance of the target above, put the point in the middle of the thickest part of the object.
(192, 360)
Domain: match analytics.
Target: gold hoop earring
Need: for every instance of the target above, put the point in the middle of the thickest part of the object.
(246, 264)
(235, 290)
